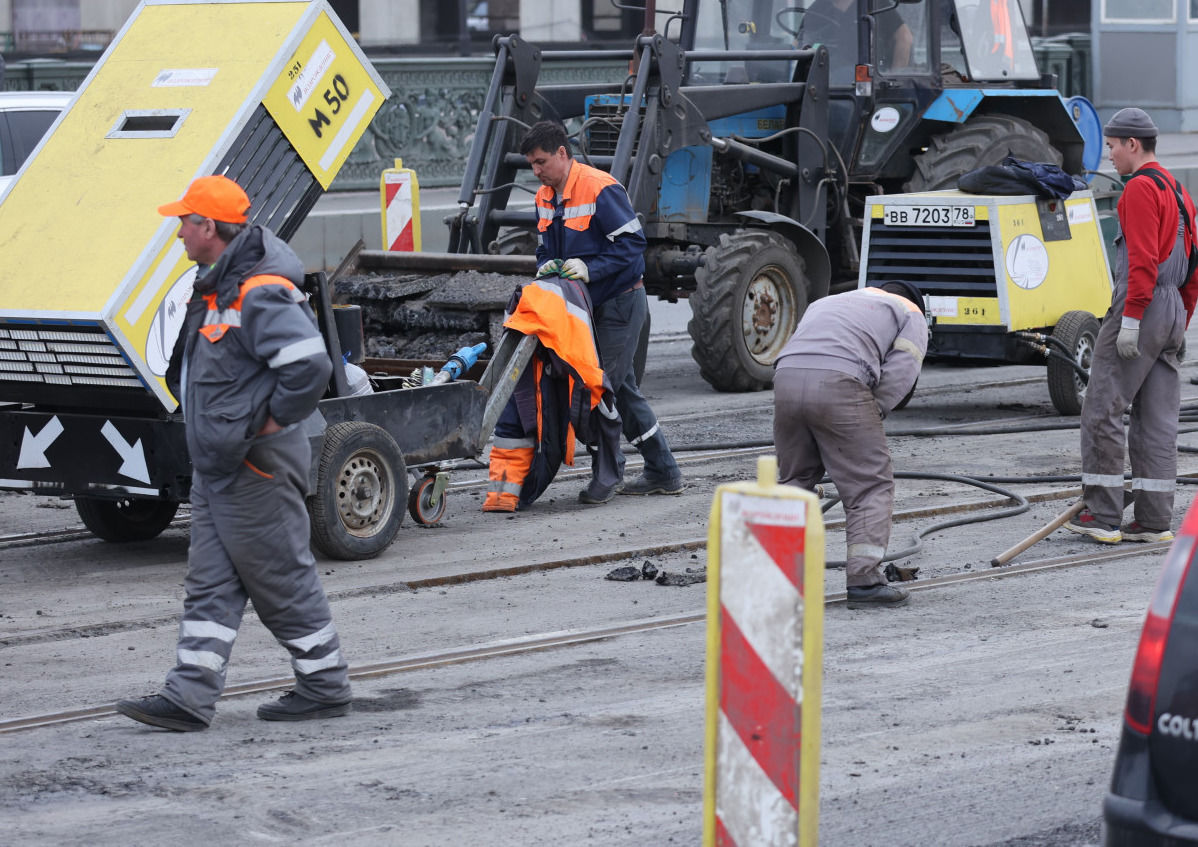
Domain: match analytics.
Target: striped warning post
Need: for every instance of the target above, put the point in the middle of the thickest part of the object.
(400, 193)
(765, 610)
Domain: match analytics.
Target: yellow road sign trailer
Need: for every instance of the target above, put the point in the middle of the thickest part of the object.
(1013, 279)
(274, 94)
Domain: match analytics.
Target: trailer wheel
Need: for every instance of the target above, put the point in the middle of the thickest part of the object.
(1078, 332)
(749, 296)
(981, 140)
(361, 485)
(126, 519)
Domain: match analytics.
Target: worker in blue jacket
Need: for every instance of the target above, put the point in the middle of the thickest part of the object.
(590, 232)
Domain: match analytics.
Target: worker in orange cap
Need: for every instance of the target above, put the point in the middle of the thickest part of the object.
(248, 367)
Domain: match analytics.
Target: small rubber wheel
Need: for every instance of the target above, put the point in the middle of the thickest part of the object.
(420, 502)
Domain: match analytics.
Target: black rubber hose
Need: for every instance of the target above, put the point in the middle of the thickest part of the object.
(1021, 506)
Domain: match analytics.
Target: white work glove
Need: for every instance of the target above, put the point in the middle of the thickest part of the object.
(575, 269)
(550, 268)
(1128, 342)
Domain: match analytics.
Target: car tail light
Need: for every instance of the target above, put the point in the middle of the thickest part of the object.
(1141, 694)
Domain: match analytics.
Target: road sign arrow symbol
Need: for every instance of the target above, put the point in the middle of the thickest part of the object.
(33, 447)
(134, 455)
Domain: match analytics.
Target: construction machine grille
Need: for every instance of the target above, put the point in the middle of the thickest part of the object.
(942, 261)
(603, 127)
(61, 356)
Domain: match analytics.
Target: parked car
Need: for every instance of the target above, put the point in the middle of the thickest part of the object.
(1153, 797)
(24, 118)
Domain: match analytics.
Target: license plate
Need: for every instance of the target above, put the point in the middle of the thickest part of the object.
(927, 215)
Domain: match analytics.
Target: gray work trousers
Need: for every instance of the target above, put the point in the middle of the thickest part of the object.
(827, 420)
(1151, 384)
(249, 540)
(618, 322)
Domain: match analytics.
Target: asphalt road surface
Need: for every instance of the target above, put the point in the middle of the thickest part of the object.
(984, 713)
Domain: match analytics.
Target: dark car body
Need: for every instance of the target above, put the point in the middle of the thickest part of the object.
(1153, 796)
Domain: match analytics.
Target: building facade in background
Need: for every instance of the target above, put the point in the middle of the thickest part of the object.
(433, 27)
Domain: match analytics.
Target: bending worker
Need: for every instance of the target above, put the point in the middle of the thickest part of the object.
(248, 366)
(590, 232)
(853, 358)
(1136, 353)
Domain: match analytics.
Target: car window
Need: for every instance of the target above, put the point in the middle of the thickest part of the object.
(27, 129)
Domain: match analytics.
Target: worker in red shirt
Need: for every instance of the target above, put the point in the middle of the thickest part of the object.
(1136, 355)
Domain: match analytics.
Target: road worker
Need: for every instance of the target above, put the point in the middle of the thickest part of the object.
(248, 367)
(589, 232)
(1136, 353)
(853, 358)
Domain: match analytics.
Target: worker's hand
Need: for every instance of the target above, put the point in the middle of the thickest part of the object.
(270, 426)
(575, 269)
(1128, 342)
(550, 268)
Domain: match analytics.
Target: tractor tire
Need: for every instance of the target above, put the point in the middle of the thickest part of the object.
(514, 242)
(126, 519)
(361, 489)
(748, 299)
(981, 140)
(1078, 332)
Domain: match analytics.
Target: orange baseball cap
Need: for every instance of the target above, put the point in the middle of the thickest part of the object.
(216, 197)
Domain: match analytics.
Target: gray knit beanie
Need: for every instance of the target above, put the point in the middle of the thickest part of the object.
(1130, 123)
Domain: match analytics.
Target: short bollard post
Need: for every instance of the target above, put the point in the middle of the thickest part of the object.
(765, 617)
(399, 191)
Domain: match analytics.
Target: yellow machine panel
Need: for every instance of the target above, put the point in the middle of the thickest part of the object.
(1011, 263)
(271, 93)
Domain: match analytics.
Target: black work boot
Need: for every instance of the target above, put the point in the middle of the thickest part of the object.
(156, 710)
(876, 596)
(296, 707)
(594, 494)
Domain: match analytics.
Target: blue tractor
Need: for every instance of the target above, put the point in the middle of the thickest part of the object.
(750, 132)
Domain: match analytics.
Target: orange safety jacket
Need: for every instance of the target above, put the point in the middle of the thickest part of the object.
(563, 397)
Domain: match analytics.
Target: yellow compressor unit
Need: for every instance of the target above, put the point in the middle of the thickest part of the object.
(1010, 279)
(93, 282)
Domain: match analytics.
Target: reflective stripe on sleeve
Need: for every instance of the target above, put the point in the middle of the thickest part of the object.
(906, 345)
(633, 225)
(298, 350)
(202, 658)
(322, 636)
(1161, 485)
(207, 629)
(1103, 480)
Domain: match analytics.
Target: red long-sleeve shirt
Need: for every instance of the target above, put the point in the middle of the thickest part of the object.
(1148, 218)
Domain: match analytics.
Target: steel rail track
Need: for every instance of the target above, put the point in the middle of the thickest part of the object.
(569, 638)
(101, 628)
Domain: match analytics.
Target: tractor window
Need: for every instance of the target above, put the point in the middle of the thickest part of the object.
(995, 41)
(741, 25)
(901, 40)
